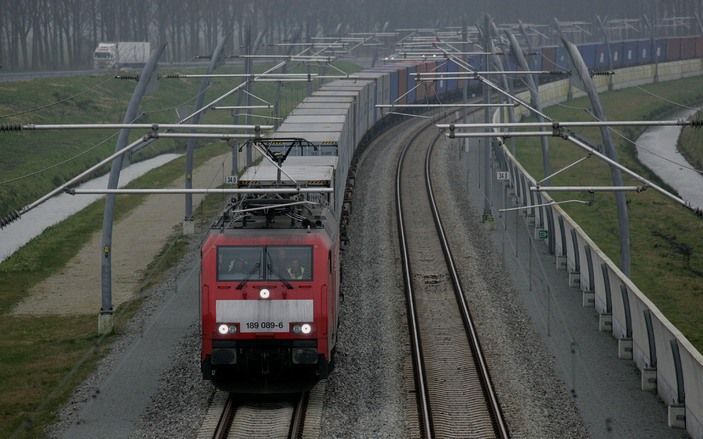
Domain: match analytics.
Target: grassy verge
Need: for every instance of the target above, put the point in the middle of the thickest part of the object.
(42, 359)
(45, 357)
(666, 239)
(691, 144)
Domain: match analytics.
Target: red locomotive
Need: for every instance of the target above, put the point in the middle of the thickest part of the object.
(270, 283)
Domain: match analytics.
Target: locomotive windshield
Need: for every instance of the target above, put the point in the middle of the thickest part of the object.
(289, 263)
(264, 263)
(239, 263)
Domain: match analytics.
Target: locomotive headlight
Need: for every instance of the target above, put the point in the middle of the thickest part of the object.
(264, 293)
(225, 329)
(302, 328)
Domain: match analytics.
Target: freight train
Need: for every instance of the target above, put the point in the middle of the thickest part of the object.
(270, 267)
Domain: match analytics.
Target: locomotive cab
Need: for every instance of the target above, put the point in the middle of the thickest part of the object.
(269, 283)
(266, 311)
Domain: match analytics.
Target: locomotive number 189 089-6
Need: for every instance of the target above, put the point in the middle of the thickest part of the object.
(263, 326)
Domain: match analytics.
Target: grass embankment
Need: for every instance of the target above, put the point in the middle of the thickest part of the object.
(49, 355)
(666, 239)
(42, 359)
(691, 144)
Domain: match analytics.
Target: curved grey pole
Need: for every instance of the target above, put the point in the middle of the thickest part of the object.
(620, 201)
(534, 94)
(487, 99)
(192, 142)
(105, 318)
(507, 85)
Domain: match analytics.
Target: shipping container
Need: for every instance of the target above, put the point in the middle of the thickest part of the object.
(535, 60)
(644, 51)
(673, 49)
(688, 47)
(699, 47)
(617, 51)
(422, 85)
(442, 86)
(476, 61)
(453, 84)
(602, 58)
(629, 53)
(431, 87)
(509, 62)
(660, 53)
(549, 55)
(588, 53)
(563, 59)
(412, 84)
(402, 85)
(395, 83)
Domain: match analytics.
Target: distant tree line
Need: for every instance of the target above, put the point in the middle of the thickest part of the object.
(56, 34)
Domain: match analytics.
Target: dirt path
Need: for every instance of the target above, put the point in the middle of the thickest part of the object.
(137, 239)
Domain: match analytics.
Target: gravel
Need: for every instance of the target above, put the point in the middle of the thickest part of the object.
(366, 393)
(180, 405)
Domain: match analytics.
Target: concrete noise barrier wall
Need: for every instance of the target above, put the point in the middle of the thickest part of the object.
(668, 362)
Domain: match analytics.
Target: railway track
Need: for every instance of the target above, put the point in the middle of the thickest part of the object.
(455, 396)
(230, 417)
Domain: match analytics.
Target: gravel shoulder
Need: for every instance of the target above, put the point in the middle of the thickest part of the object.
(366, 393)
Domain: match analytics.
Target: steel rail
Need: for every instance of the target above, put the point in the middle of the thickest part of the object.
(422, 391)
(226, 418)
(499, 423)
(298, 419)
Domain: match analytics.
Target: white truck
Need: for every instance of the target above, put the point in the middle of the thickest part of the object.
(121, 54)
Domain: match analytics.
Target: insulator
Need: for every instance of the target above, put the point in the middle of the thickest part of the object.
(11, 127)
(128, 77)
(11, 217)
